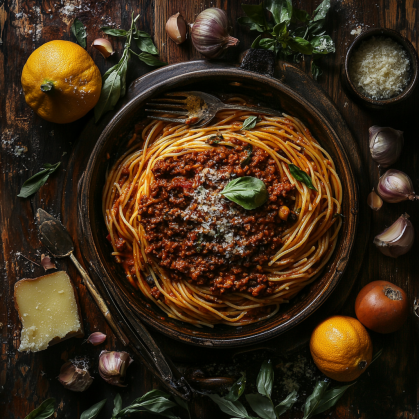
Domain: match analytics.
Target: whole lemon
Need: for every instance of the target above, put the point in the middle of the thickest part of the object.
(341, 348)
(61, 82)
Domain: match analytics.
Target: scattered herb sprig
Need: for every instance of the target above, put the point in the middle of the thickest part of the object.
(301, 175)
(114, 80)
(34, 183)
(247, 191)
(79, 31)
(289, 32)
(249, 123)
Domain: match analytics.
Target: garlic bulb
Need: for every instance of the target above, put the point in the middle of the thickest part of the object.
(395, 186)
(210, 33)
(96, 338)
(176, 28)
(397, 239)
(113, 366)
(73, 378)
(385, 145)
(374, 201)
(104, 47)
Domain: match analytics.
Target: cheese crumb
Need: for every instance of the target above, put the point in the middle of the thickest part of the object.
(380, 68)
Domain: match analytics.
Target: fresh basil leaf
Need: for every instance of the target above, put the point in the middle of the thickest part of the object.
(93, 411)
(109, 96)
(322, 44)
(286, 404)
(262, 406)
(300, 45)
(265, 379)
(157, 405)
(316, 71)
(114, 32)
(248, 158)
(280, 29)
(281, 10)
(301, 176)
(150, 59)
(43, 411)
(153, 394)
(109, 72)
(315, 28)
(300, 15)
(330, 398)
(237, 389)
(321, 11)
(244, 20)
(248, 192)
(235, 409)
(117, 405)
(256, 12)
(122, 71)
(182, 403)
(313, 400)
(141, 34)
(267, 43)
(79, 31)
(250, 122)
(34, 183)
(255, 43)
(146, 45)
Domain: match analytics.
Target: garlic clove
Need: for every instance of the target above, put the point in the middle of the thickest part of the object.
(177, 28)
(96, 338)
(385, 145)
(113, 366)
(73, 378)
(374, 201)
(397, 239)
(395, 186)
(104, 47)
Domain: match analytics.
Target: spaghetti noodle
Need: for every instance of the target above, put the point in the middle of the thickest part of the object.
(200, 257)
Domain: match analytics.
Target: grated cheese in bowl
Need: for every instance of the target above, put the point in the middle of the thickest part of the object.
(380, 68)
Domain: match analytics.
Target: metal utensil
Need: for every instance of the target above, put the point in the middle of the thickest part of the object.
(56, 238)
(198, 108)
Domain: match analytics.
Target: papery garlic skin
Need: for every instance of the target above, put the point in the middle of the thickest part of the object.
(395, 186)
(113, 366)
(374, 201)
(96, 338)
(386, 145)
(177, 28)
(397, 239)
(209, 33)
(104, 47)
(73, 378)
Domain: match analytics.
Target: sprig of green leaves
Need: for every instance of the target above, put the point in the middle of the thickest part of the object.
(114, 80)
(288, 31)
(79, 31)
(34, 183)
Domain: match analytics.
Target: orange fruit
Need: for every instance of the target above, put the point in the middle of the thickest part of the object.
(341, 348)
(61, 82)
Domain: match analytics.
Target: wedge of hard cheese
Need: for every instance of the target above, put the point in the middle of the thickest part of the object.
(48, 309)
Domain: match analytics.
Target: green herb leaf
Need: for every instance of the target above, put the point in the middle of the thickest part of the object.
(261, 405)
(79, 31)
(248, 192)
(267, 43)
(302, 176)
(256, 13)
(265, 379)
(110, 94)
(300, 45)
(280, 9)
(141, 34)
(152, 394)
(43, 411)
(234, 409)
(322, 44)
(122, 71)
(321, 11)
(316, 71)
(280, 29)
(146, 45)
(150, 59)
(314, 399)
(316, 28)
(255, 43)
(237, 389)
(249, 123)
(300, 15)
(244, 20)
(286, 404)
(117, 405)
(214, 139)
(114, 32)
(34, 183)
(182, 403)
(93, 411)
(330, 398)
(248, 158)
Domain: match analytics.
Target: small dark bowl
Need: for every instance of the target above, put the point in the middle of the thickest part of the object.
(413, 57)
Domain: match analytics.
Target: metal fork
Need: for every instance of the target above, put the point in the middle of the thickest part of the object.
(198, 108)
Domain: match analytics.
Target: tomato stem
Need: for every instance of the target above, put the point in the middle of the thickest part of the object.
(47, 86)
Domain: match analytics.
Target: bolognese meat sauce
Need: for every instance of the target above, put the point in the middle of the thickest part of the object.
(197, 234)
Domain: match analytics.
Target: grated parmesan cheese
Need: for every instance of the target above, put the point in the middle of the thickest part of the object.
(380, 68)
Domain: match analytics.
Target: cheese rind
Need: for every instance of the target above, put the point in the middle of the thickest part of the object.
(48, 310)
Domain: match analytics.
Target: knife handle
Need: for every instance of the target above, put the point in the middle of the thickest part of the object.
(100, 302)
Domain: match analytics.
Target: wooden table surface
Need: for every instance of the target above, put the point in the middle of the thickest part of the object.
(387, 390)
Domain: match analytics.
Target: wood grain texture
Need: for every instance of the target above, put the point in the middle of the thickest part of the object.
(387, 390)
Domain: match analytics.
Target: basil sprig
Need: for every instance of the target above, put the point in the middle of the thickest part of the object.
(302, 176)
(114, 80)
(93, 411)
(289, 32)
(249, 123)
(34, 183)
(79, 31)
(247, 191)
(43, 411)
